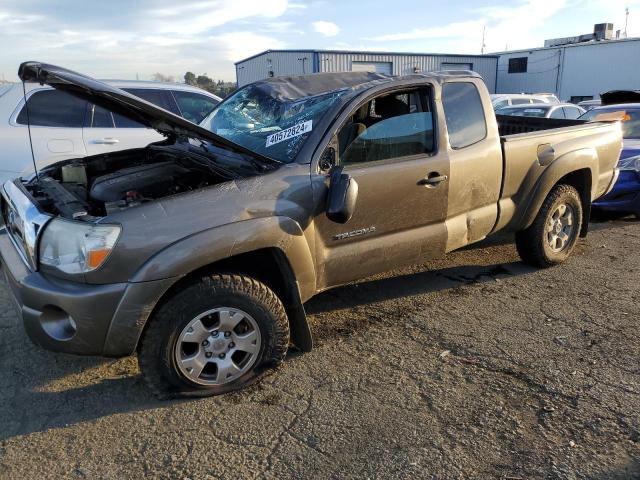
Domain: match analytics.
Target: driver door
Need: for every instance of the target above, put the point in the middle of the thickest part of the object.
(388, 145)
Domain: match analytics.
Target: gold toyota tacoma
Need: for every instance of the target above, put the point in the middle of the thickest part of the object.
(198, 252)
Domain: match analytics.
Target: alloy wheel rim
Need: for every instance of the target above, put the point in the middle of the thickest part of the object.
(218, 346)
(560, 227)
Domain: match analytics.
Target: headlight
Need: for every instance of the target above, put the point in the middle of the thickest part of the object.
(75, 247)
(630, 163)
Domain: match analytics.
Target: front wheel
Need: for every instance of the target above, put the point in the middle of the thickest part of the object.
(216, 335)
(554, 232)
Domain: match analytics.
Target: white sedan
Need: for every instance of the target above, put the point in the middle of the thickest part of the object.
(63, 126)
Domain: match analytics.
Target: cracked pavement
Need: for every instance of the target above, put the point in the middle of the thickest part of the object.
(472, 366)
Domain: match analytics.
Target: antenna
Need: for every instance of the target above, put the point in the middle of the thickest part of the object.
(484, 28)
(26, 107)
(626, 21)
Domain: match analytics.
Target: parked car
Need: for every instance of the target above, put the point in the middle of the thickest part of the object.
(199, 252)
(561, 110)
(64, 126)
(589, 104)
(625, 197)
(508, 99)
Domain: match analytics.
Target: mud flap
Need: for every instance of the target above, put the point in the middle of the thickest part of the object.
(300, 332)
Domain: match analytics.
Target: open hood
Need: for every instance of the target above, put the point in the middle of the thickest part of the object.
(124, 103)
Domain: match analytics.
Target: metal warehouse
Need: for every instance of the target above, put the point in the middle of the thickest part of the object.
(297, 62)
(574, 72)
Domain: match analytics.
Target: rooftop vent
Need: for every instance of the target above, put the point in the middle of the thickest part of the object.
(601, 31)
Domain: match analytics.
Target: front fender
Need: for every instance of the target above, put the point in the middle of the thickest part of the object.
(585, 158)
(219, 243)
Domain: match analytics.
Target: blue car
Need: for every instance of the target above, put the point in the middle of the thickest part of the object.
(624, 198)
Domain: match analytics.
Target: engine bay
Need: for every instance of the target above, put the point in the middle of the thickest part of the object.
(93, 187)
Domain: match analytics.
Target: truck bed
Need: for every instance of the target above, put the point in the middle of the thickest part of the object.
(512, 125)
(540, 144)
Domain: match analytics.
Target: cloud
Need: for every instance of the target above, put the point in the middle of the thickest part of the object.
(328, 29)
(446, 31)
(198, 17)
(511, 23)
(240, 45)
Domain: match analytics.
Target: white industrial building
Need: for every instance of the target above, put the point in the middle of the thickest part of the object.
(297, 62)
(574, 68)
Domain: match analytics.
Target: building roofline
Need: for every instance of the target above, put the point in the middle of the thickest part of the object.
(569, 45)
(363, 52)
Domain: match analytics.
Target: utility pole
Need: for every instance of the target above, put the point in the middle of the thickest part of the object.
(484, 28)
(626, 21)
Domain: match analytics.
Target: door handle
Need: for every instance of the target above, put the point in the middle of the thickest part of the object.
(433, 179)
(107, 141)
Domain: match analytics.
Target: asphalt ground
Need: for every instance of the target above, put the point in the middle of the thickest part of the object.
(473, 366)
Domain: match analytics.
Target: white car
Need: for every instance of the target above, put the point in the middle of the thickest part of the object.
(63, 126)
(502, 100)
(564, 111)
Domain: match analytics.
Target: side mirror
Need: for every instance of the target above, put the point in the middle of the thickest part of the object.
(342, 196)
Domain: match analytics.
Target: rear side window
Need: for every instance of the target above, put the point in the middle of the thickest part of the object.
(557, 113)
(193, 106)
(53, 108)
(160, 98)
(464, 114)
(572, 112)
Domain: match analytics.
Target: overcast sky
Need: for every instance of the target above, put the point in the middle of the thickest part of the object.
(122, 39)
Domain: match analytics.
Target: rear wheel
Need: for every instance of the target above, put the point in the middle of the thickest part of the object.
(554, 232)
(214, 336)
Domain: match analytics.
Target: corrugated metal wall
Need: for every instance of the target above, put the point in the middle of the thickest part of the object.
(291, 63)
(405, 64)
(579, 70)
(281, 63)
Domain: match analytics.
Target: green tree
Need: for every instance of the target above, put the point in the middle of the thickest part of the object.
(190, 78)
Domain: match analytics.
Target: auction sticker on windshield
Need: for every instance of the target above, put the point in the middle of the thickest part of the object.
(295, 131)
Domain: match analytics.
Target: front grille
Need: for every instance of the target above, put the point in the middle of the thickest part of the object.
(23, 222)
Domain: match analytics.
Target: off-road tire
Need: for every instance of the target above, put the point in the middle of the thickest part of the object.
(531, 243)
(156, 348)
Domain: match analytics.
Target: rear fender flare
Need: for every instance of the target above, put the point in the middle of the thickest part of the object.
(583, 159)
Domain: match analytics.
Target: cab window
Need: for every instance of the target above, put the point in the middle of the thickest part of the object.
(394, 125)
(464, 114)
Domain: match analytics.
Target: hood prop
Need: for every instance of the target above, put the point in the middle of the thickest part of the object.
(26, 107)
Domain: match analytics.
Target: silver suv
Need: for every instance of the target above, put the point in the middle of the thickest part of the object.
(64, 126)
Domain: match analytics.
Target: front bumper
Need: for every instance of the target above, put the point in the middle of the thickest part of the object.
(74, 317)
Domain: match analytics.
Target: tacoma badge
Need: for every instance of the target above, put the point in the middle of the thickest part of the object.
(354, 233)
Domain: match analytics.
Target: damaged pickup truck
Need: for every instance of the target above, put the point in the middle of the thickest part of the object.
(198, 252)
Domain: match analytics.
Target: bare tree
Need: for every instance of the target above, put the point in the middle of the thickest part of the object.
(159, 77)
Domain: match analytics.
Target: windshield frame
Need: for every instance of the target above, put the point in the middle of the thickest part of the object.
(320, 125)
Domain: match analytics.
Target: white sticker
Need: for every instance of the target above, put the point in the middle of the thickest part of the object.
(295, 131)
